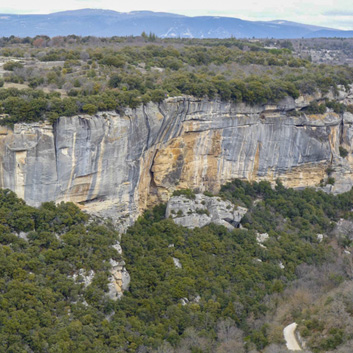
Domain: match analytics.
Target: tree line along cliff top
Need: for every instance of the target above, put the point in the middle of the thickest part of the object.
(44, 78)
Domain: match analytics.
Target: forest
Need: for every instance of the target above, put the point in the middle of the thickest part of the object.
(230, 294)
(45, 78)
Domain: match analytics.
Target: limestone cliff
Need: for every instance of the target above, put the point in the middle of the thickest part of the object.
(117, 165)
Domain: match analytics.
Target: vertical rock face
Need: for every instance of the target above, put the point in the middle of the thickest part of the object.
(117, 166)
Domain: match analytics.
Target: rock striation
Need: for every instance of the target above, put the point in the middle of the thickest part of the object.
(118, 165)
(203, 210)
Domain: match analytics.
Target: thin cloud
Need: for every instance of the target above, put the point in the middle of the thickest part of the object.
(338, 13)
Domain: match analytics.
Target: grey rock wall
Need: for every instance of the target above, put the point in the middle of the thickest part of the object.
(118, 165)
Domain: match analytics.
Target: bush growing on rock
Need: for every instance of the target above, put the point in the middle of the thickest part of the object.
(343, 152)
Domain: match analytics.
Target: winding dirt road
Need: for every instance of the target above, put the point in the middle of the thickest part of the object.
(289, 336)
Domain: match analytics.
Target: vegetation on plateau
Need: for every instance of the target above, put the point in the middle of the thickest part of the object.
(50, 77)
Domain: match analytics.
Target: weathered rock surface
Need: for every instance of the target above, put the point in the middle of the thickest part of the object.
(261, 237)
(85, 277)
(118, 165)
(203, 210)
(344, 228)
(177, 263)
(119, 280)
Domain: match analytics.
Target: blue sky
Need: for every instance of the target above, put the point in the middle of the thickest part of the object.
(330, 13)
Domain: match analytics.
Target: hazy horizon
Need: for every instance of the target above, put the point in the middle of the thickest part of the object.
(320, 13)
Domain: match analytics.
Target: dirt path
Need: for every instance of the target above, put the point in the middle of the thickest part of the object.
(289, 336)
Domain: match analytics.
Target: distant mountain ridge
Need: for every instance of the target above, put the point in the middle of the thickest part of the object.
(105, 23)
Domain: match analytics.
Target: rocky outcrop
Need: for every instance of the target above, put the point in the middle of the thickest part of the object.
(118, 165)
(261, 238)
(177, 263)
(84, 277)
(344, 228)
(202, 210)
(119, 280)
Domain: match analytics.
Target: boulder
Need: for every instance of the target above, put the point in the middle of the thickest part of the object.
(203, 210)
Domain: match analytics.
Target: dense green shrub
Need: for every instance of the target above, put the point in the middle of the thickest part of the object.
(188, 193)
(343, 152)
(90, 109)
(112, 60)
(41, 306)
(221, 279)
(315, 108)
(11, 65)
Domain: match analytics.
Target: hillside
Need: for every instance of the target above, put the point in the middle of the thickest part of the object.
(103, 23)
(229, 290)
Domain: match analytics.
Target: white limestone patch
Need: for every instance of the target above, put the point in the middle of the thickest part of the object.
(119, 280)
(261, 237)
(203, 210)
(177, 263)
(83, 276)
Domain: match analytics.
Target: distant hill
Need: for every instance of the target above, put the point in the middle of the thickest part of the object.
(104, 23)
